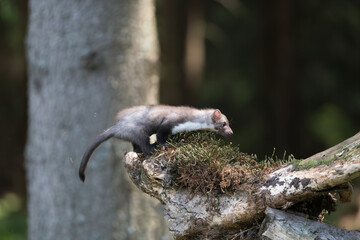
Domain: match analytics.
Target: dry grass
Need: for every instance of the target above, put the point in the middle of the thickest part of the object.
(204, 162)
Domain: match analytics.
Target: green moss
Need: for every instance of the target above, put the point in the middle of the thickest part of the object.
(204, 162)
(273, 160)
(309, 163)
(304, 164)
(328, 160)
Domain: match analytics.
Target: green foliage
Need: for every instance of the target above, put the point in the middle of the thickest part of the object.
(13, 226)
(11, 27)
(8, 12)
(12, 218)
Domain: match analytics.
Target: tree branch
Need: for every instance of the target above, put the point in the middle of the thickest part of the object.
(214, 216)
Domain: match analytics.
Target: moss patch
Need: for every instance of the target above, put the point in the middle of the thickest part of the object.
(309, 163)
(203, 162)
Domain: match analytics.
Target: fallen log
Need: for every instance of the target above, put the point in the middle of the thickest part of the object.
(224, 214)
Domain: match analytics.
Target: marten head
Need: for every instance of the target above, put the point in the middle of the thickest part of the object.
(221, 123)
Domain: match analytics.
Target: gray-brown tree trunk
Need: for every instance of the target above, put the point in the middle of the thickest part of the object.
(87, 60)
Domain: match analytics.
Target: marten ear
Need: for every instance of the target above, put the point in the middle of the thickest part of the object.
(216, 115)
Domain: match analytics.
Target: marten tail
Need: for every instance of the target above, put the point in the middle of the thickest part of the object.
(91, 148)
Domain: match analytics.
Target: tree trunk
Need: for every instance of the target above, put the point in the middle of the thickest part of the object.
(194, 59)
(278, 67)
(172, 32)
(87, 60)
(182, 36)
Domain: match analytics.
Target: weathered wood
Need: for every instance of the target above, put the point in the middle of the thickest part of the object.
(290, 185)
(195, 215)
(279, 225)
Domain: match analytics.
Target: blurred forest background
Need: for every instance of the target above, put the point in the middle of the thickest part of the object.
(286, 73)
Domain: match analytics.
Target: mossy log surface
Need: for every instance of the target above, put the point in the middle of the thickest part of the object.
(223, 215)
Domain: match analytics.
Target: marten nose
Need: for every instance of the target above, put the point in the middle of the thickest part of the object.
(229, 132)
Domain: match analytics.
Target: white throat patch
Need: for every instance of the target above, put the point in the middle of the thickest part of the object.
(191, 126)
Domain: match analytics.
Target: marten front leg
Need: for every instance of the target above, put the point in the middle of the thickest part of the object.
(146, 147)
(136, 148)
(162, 135)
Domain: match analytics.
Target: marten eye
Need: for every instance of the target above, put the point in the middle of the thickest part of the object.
(224, 124)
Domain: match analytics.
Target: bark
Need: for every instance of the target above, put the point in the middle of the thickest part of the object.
(281, 225)
(198, 216)
(87, 60)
